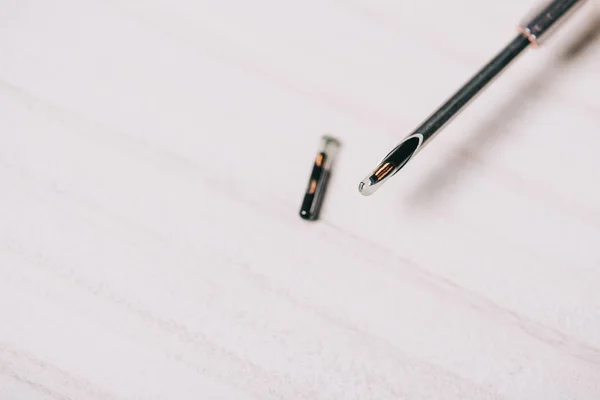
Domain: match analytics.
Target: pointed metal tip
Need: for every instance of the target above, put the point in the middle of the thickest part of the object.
(371, 183)
(393, 162)
(366, 188)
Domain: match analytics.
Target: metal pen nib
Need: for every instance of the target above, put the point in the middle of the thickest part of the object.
(391, 164)
(530, 33)
(371, 183)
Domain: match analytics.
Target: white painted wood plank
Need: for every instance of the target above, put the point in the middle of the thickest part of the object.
(153, 156)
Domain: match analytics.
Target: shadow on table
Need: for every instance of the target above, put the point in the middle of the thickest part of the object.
(450, 169)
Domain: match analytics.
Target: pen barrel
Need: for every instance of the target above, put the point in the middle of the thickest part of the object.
(542, 21)
(451, 108)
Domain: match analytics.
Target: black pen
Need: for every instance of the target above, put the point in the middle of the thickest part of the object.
(530, 33)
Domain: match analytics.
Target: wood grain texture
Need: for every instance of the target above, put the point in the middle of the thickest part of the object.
(153, 157)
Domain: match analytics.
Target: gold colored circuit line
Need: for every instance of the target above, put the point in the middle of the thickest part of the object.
(319, 160)
(313, 187)
(382, 171)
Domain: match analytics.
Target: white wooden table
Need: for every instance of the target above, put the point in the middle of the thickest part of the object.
(153, 157)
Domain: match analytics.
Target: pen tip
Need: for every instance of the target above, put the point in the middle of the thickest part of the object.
(371, 183)
(392, 164)
(366, 188)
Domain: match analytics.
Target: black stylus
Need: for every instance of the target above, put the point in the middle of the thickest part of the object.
(530, 33)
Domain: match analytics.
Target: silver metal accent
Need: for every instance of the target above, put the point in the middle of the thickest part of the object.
(541, 22)
(391, 164)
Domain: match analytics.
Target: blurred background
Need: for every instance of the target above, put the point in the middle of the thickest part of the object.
(154, 155)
